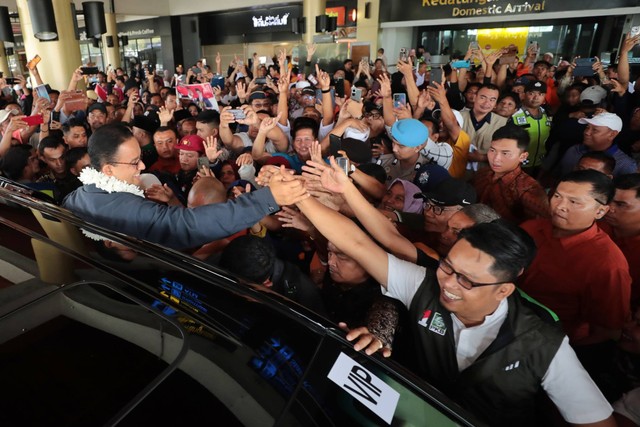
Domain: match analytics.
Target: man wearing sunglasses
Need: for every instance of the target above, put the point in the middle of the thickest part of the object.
(475, 339)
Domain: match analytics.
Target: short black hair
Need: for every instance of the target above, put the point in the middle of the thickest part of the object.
(249, 256)
(490, 86)
(510, 131)
(73, 155)
(72, 123)
(542, 62)
(305, 123)
(510, 246)
(105, 141)
(630, 181)
(50, 142)
(602, 188)
(167, 129)
(472, 84)
(511, 95)
(14, 161)
(608, 160)
(210, 117)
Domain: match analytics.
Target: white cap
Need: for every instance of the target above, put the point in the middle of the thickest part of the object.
(5, 114)
(610, 120)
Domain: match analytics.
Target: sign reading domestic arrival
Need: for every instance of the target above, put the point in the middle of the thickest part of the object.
(443, 9)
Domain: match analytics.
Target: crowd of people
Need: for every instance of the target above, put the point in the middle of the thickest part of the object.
(481, 227)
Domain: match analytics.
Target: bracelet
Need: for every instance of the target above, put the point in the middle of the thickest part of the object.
(326, 90)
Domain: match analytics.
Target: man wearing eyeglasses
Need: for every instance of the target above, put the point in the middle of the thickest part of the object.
(111, 198)
(476, 340)
(579, 272)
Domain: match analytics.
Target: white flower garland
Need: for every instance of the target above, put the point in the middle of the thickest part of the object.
(110, 184)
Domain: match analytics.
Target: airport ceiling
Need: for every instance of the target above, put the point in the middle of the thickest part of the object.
(132, 10)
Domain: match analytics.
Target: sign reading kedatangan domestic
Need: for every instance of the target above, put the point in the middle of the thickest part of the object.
(485, 7)
(412, 10)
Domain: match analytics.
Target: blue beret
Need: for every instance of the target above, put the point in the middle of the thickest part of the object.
(409, 132)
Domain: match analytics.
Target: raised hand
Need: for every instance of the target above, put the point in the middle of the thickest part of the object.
(211, 148)
(165, 115)
(292, 218)
(437, 92)
(385, 86)
(244, 159)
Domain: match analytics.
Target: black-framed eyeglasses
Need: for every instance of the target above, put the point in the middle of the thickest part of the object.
(437, 209)
(462, 279)
(135, 163)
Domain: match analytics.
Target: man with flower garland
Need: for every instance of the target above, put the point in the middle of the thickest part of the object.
(110, 197)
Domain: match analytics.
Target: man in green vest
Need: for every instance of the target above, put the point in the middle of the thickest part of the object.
(534, 119)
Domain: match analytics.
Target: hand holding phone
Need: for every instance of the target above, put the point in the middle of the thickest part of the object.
(33, 120)
(86, 71)
(203, 162)
(238, 114)
(356, 94)
(399, 100)
(34, 62)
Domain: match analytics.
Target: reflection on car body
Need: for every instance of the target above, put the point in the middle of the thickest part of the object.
(161, 338)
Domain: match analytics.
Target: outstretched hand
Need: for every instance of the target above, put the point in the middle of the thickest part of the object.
(365, 340)
(286, 189)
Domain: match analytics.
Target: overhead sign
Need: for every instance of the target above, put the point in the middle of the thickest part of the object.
(442, 9)
(270, 21)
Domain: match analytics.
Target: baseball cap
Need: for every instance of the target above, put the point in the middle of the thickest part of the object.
(521, 81)
(5, 114)
(409, 132)
(593, 95)
(451, 192)
(308, 91)
(97, 106)
(429, 176)
(610, 120)
(257, 94)
(536, 86)
(191, 143)
(354, 133)
(302, 84)
(147, 122)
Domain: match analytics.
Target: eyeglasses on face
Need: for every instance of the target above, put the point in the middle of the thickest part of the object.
(134, 163)
(437, 209)
(462, 279)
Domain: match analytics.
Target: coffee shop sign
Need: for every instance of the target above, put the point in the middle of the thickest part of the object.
(270, 21)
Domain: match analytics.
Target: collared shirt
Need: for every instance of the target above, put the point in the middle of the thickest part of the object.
(624, 163)
(630, 247)
(583, 278)
(515, 195)
(478, 124)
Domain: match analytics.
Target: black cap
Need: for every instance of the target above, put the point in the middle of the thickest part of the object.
(97, 106)
(536, 86)
(451, 192)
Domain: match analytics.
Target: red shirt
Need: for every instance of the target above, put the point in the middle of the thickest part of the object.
(584, 278)
(166, 165)
(515, 196)
(630, 247)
